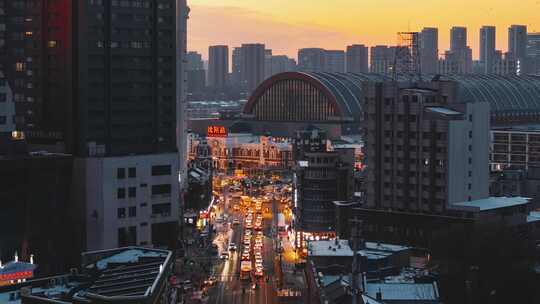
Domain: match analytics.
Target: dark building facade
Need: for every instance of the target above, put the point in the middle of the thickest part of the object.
(85, 72)
(38, 216)
(218, 66)
(37, 59)
(125, 68)
(322, 176)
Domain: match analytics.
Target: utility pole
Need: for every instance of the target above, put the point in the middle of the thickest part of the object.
(357, 244)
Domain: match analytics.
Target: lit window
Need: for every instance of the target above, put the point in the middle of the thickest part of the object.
(52, 43)
(19, 66)
(28, 34)
(17, 135)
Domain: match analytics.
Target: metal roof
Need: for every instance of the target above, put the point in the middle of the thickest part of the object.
(508, 95)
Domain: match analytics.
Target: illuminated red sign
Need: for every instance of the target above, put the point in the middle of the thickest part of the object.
(216, 131)
(16, 275)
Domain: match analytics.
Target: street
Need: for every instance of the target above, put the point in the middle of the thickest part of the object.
(229, 287)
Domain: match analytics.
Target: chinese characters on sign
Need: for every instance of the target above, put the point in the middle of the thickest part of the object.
(216, 131)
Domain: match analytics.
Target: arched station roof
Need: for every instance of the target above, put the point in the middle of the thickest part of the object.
(333, 97)
(508, 95)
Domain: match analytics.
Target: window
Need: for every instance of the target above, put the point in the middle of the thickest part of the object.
(52, 44)
(20, 66)
(2, 120)
(132, 236)
(122, 237)
(163, 189)
(163, 209)
(132, 172)
(132, 191)
(132, 211)
(3, 97)
(120, 173)
(121, 193)
(144, 204)
(161, 170)
(121, 213)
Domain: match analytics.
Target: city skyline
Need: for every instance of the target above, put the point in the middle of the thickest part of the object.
(284, 27)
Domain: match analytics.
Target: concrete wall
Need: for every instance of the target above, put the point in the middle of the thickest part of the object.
(100, 197)
(7, 106)
(472, 131)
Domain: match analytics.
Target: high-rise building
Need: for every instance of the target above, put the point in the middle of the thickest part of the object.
(194, 61)
(279, 64)
(7, 106)
(487, 48)
(322, 176)
(458, 38)
(457, 60)
(504, 64)
(533, 44)
(128, 125)
(218, 66)
(252, 65)
(37, 65)
(437, 158)
(311, 60)
(517, 42)
(382, 59)
(182, 15)
(429, 50)
(236, 73)
(335, 61)
(195, 81)
(533, 52)
(357, 58)
(119, 123)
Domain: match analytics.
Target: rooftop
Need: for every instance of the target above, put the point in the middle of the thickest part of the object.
(491, 203)
(389, 291)
(443, 111)
(534, 216)
(116, 275)
(371, 251)
(404, 291)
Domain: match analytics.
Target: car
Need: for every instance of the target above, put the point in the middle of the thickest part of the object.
(232, 247)
(236, 222)
(224, 255)
(210, 281)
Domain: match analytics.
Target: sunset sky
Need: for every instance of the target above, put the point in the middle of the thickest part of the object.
(287, 25)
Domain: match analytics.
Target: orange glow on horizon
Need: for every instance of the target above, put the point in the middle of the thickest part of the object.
(285, 26)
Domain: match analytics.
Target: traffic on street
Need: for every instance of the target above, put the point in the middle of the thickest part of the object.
(245, 225)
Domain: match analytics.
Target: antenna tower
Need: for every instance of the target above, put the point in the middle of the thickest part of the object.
(407, 56)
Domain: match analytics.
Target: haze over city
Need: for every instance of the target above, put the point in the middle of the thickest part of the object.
(269, 151)
(286, 26)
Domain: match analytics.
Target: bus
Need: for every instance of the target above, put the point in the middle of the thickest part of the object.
(245, 270)
(281, 224)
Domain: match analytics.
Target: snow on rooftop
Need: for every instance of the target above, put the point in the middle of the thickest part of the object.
(403, 291)
(128, 256)
(444, 111)
(372, 250)
(329, 248)
(534, 216)
(493, 203)
(385, 247)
